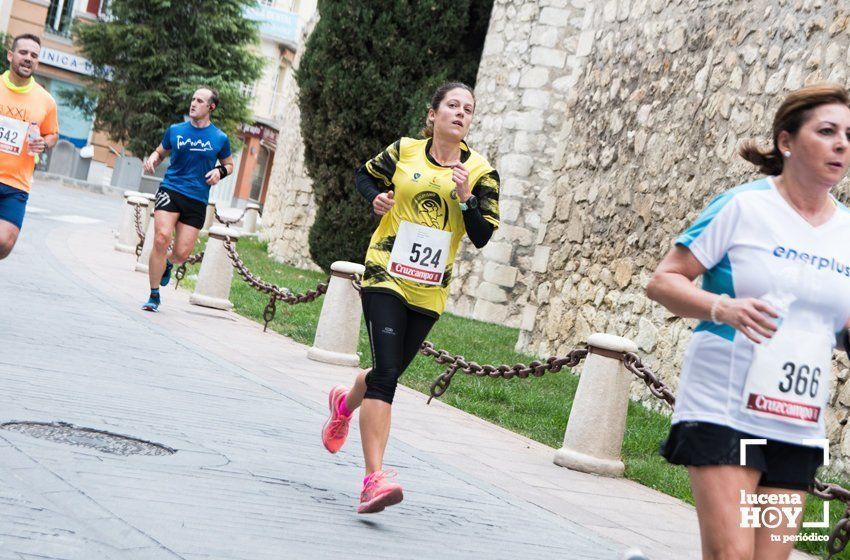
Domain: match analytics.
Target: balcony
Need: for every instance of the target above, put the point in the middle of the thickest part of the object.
(275, 24)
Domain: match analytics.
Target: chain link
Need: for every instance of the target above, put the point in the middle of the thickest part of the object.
(458, 363)
(137, 214)
(229, 222)
(275, 293)
(180, 273)
(656, 387)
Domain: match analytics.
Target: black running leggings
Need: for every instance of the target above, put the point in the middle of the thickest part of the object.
(395, 333)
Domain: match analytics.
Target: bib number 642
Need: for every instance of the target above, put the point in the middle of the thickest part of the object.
(800, 378)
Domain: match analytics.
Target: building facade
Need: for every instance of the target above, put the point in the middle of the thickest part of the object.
(280, 23)
(62, 68)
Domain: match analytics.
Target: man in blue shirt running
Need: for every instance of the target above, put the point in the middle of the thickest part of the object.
(200, 158)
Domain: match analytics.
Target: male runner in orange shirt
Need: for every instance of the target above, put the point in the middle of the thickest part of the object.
(22, 103)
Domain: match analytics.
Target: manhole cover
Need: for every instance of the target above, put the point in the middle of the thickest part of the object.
(62, 432)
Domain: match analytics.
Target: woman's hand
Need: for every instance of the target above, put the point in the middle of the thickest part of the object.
(383, 203)
(461, 178)
(748, 315)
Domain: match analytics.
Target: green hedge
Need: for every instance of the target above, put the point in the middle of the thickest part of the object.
(367, 74)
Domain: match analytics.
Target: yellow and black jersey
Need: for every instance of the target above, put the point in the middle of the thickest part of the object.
(424, 194)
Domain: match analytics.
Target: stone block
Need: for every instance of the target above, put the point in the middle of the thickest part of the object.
(534, 78)
(491, 292)
(535, 99)
(500, 275)
(540, 261)
(647, 335)
(524, 120)
(516, 235)
(516, 165)
(545, 36)
(511, 186)
(498, 251)
(490, 312)
(555, 16)
(585, 43)
(529, 317)
(509, 210)
(543, 56)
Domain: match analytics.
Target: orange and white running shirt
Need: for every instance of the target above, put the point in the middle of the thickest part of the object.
(26, 104)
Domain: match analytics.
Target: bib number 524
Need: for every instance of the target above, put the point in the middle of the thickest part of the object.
(424, 255)
(799, 378)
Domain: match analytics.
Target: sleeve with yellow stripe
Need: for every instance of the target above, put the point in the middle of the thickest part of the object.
(383, 165)
(486, 189)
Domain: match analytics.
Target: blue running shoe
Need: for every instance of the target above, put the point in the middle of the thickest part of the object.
(166, 276)
(152, 303)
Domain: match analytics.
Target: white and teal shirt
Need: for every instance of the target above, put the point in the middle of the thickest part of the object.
(751, 243)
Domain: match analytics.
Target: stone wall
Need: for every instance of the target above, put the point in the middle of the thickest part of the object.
(646, 136)
(289, 209)
(530, 62)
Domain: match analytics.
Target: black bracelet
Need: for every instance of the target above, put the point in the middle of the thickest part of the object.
(222, 171)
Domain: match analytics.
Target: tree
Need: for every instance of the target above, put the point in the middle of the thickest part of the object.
(365, 79)
(6, 43)
(151, 55)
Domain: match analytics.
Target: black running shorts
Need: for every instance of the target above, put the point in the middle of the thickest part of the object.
(783, 465)
(192, 212)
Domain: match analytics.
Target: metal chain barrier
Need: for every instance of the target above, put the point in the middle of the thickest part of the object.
(230, 222)
(180, 273)
(840, 536)
(536, 368)
(141, 234)
(275, 293)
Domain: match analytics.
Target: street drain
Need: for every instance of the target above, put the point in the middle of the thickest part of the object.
(106, 442)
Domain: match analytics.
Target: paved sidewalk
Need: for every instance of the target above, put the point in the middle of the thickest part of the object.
(243, 408)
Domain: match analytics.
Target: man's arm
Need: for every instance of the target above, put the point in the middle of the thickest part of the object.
(222, 170)
(50, 140)
(155, 159)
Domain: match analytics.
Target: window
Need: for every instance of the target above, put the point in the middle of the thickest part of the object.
(97, 8)
(258, 175)
(247, 90)
(59, 17)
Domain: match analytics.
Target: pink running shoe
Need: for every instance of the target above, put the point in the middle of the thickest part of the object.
(379, 493)
(335, 430)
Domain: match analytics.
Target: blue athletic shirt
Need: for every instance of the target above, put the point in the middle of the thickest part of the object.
(194, 153)
(750, 240)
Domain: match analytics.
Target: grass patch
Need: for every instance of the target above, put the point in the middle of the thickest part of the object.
(535, 407)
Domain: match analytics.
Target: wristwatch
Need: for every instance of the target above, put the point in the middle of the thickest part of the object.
(471, 203)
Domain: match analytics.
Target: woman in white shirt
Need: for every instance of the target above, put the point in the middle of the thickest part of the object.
(774, 258)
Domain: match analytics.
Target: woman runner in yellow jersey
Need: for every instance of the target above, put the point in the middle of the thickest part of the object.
(430, 193)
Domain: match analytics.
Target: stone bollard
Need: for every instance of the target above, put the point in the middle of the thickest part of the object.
(213, 287)
(594, 435)
(147, 247)
(249, 224)
(127, 238)
(152, 206)
(209, 218)
(339, 323)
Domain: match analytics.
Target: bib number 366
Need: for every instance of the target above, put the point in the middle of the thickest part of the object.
(786, 380)
(800, 379)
